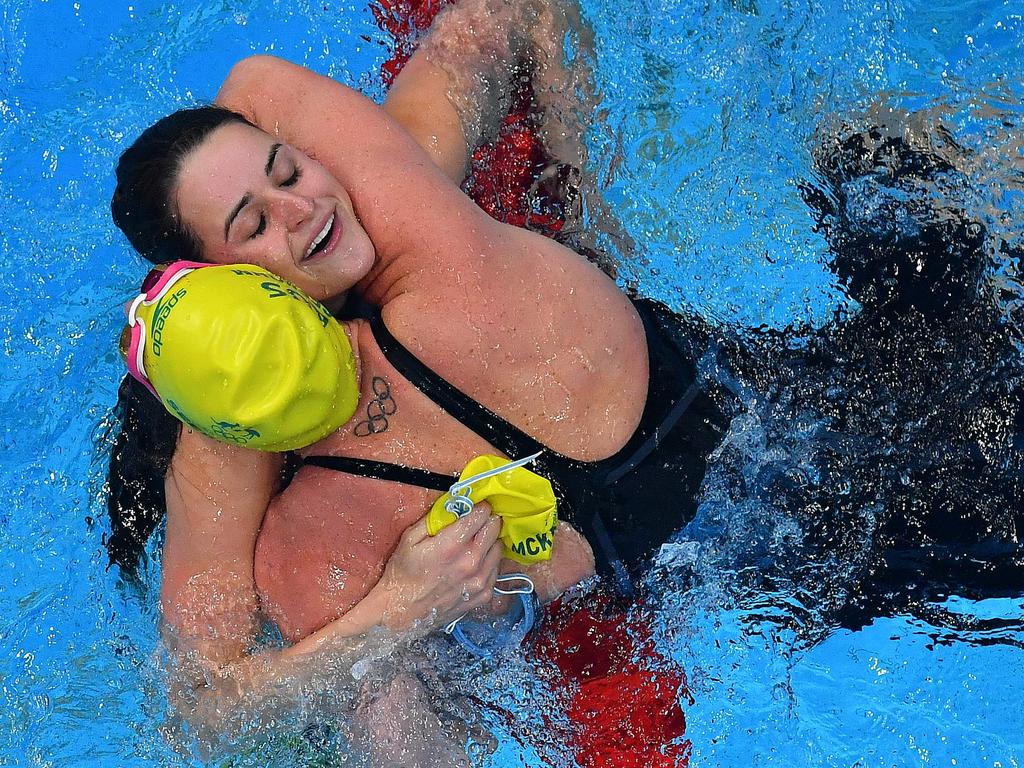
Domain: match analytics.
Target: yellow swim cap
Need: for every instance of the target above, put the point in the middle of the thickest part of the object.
(523, 500)
(245, 357)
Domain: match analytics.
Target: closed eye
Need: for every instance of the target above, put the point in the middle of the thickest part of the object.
(292, 180)
(260, 228)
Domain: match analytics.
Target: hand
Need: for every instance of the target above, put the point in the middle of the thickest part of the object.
(439, 578)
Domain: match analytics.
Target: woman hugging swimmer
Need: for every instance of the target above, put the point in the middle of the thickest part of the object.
(475, 338)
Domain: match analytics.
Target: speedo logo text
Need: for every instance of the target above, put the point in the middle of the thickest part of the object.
(163, 309)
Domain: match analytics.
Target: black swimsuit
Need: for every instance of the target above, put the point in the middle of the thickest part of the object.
(626, 505)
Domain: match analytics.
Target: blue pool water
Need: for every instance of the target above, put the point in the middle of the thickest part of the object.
(704, 128)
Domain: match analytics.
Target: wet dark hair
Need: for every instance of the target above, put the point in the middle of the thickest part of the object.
(147, 173)
(144, 438)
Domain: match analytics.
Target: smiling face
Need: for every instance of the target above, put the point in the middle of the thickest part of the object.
(251, 199)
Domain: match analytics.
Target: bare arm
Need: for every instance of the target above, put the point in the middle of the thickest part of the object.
(392, 181)
(571, 562)
(418, 100)
(463, 72)
(450, 95)
(216, 497)
(455, 90)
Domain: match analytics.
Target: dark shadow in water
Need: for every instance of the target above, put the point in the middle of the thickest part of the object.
(906, 482)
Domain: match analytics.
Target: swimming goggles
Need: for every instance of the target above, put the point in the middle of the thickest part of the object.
(155, 287)
(485, 638)
(460, 505)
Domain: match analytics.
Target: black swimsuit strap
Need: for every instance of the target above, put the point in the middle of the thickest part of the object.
(581, 480)
(506, 437)
(651, 443)
(380, 470)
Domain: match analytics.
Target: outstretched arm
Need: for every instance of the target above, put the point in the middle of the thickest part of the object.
(453, 92)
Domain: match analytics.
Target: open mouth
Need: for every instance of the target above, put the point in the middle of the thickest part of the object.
(322, 240)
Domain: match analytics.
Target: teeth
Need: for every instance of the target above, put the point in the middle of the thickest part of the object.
(319, 238)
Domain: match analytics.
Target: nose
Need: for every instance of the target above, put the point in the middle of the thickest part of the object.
(291, 209)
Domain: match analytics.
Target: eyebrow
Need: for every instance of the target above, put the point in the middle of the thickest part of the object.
(270, 159)
(234, 212)
(246, 198)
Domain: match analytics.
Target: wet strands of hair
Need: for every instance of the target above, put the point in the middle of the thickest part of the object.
(143, 204)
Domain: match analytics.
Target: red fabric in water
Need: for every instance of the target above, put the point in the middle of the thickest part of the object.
(502, 173)
(624, 696)
(404, 20)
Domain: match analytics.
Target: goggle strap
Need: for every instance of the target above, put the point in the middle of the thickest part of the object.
(137, 348)
(528, 587)
(170, 276)
(135, 308)
(459, 488)
(136, 366)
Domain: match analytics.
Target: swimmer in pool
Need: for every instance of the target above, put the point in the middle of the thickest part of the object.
(318, 517)
(328, 190)
(237, 353)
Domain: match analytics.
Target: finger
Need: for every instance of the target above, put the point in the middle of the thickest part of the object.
(486, 536)
(492, 562)
(465, 528)
(481, 597)
(479, 600)
(486, 596)
(416, 532)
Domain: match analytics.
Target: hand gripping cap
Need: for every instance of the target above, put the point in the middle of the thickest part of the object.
(523, 500)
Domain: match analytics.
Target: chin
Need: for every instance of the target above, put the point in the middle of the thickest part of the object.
(341, 272)
(359, 261)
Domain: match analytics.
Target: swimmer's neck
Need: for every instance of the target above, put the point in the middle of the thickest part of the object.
(351, 331)
(336, 304)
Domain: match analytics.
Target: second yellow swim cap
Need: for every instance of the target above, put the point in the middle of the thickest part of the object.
(245, 357)
(524, 501)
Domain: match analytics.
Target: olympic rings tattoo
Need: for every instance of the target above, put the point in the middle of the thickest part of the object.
(377, 411)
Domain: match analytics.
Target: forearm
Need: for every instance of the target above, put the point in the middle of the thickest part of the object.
(425, 583)
(419, 101)
(478, 45)
(226, 700)
(453, 92)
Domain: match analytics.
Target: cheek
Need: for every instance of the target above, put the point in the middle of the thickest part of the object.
(218, 255)
(269, 250)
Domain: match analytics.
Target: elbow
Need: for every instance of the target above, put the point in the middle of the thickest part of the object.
(248, 81)
(253, 68)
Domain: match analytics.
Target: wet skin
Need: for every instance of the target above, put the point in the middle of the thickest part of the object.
(250, 198)
(522, 324)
